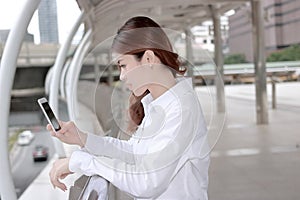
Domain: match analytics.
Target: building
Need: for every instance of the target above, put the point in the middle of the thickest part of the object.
(4, 34)
(47, 12)
(203, 41)
(204, 35)
(282, 27)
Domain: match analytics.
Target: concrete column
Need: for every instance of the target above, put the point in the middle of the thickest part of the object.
(110, 77)
(96, 69)
(259, 62)
(189, 52)
(219, 61)
(7, 73)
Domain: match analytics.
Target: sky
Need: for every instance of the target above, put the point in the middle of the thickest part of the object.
(67, 12)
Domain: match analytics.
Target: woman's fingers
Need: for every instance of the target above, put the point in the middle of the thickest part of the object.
(65, 126)
(64, 175)
(49, 127)
(61, 185)
(53, 133)
(56, 183)
(61, 123)
(57, 172)
(68, 133)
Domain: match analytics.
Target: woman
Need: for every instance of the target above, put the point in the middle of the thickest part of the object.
(164, 157)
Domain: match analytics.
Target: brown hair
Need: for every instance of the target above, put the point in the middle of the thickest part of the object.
(136, 36)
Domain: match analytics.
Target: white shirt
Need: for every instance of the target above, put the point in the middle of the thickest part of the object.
(167, 157)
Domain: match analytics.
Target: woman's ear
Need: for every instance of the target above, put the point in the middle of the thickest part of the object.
(148, 57)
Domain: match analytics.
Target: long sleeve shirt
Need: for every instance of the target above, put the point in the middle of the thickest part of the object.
(167, 157)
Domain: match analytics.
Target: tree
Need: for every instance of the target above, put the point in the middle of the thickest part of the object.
(290, 53)
(235, 59)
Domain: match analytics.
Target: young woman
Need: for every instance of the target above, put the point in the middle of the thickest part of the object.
(165, 157)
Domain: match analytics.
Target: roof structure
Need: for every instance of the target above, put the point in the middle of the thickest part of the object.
(105, 16)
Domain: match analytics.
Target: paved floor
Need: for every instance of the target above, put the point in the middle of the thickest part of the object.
(260, 162)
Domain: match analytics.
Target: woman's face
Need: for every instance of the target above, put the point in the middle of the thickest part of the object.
(133, 73)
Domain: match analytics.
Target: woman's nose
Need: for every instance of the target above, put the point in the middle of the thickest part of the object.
(122, 75)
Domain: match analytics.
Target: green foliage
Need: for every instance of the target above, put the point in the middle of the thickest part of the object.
(290, 53)
(13, 139)
(235, 59)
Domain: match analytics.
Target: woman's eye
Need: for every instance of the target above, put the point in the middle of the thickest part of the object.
(122, 66)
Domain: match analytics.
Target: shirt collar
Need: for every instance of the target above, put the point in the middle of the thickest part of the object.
(182, 86)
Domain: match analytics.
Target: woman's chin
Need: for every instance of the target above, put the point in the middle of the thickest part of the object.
(138, 92)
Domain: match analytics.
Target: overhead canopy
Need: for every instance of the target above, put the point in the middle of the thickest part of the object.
(105, 16)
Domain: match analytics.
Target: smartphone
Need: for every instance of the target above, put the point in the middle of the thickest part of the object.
(43, 102)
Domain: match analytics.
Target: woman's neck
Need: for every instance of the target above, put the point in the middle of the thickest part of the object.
(157, 89)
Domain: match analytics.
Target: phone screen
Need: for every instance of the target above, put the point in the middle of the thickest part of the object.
(51, 116)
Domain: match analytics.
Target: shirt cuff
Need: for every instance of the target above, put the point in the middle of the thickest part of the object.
(79, 161)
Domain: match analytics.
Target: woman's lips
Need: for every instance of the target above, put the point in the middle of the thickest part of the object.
(129, 86)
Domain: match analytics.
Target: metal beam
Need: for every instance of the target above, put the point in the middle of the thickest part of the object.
(102, 7)
(259, 62)
(7, 72)
(73, 75)
(219, 61)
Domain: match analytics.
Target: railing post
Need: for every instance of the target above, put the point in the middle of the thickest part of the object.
(274, 80)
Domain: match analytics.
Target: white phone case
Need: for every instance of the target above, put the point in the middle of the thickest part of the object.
(42, 101)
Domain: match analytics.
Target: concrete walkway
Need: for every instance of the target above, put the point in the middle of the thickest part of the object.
(257, 161)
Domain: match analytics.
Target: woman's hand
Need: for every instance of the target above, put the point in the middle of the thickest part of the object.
(60, 170)
(69, 133)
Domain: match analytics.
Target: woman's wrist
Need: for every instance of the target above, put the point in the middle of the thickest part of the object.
(82, 139)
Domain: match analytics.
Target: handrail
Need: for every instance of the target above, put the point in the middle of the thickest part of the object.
(7, 72)
(73, 74)
(63, 78)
